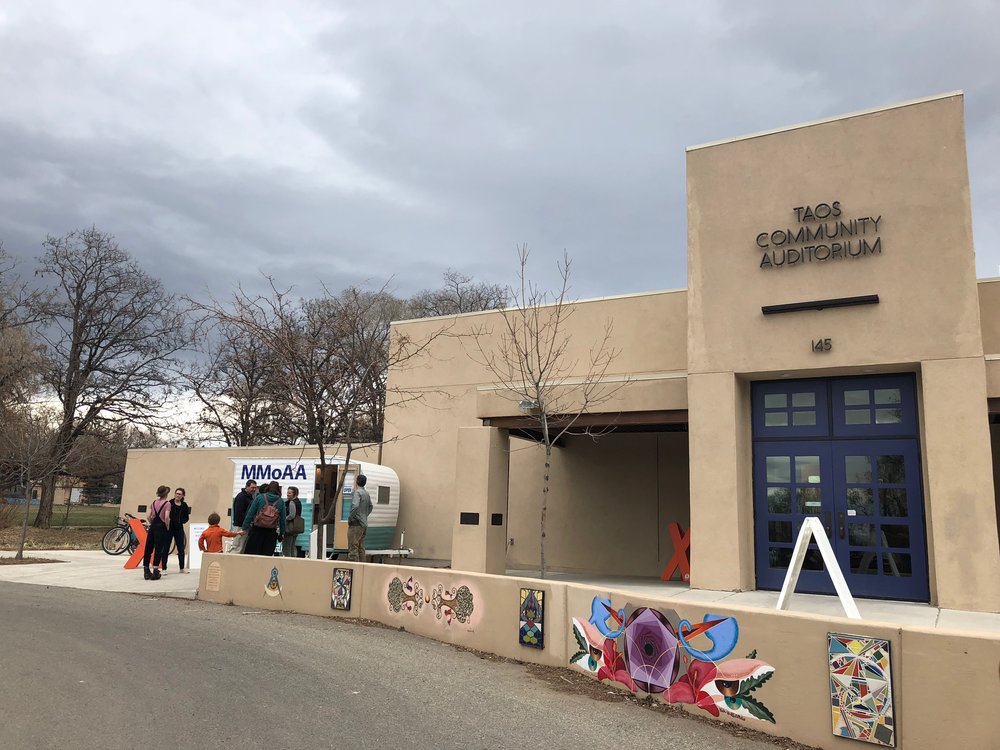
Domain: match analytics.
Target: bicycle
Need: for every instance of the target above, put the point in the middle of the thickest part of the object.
(120, 537)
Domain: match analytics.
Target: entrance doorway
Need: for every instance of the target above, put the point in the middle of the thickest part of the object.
(845, 450)
(327, 480)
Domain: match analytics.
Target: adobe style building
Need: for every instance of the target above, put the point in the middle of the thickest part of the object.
(833, 355)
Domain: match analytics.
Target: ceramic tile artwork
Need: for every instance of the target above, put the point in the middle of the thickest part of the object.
(447, 603)
(661, 655)
(273, 585)
(861, 689)
(532, 616)
(341, 597)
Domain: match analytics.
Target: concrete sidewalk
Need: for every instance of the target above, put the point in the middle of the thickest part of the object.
(96, 571)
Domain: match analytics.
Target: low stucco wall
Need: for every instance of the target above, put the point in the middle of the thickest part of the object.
(778, 663)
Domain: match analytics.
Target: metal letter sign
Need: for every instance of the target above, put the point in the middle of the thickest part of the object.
(811, 527)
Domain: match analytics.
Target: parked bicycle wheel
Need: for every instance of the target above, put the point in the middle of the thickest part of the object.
(116, 540)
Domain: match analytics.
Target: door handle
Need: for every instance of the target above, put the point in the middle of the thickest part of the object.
(828, 524)
(841, 525)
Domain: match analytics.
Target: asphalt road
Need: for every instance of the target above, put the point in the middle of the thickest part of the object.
(83, 669)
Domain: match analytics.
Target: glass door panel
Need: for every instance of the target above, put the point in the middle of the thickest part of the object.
(790, 409)
(879, 518)
(792, 480)
(877, 406)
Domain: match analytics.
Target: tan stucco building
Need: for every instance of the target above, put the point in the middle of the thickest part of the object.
(833, 355)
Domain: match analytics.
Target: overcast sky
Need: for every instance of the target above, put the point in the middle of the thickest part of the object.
(351, 142)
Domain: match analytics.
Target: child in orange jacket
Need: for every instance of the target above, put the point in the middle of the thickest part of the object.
(211, 538)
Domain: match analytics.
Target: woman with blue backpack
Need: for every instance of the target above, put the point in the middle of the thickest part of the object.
(265, 521)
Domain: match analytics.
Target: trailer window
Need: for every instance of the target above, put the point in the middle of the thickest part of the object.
(383, 495)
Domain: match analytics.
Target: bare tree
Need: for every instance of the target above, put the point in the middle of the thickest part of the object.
(111, 344)
(233, 382)
(459, 294)
(27, 439)
(530, 358)
(21, 307)
(97, 459)
(330, 355)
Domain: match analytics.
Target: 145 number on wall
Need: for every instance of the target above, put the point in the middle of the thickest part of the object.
(822, 345)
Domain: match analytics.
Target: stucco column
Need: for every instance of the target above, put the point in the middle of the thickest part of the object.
(480, 532)
(961, 513)
(721, 505)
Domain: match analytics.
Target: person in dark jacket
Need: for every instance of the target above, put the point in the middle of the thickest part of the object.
(262, 540)
(180, 514)
(241, 503)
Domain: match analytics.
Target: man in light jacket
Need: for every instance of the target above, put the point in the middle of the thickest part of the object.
(357, 522)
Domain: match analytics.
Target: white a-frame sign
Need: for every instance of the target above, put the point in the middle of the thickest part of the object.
(813, 529)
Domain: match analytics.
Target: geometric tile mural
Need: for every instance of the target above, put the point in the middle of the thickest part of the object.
(532, 617)
(341, 595)
(861, 689)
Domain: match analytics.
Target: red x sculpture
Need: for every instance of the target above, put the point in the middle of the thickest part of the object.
(140, 533)
(682, 553)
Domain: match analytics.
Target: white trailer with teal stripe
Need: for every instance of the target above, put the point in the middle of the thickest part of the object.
(317, 486)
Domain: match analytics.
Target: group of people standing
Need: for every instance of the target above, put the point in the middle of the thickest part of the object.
(266, 519)
(260, 515)
(166, 524)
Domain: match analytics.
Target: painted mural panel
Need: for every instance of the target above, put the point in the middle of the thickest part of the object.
(532, 617)
(447, 604)
(341, 596)
(656, 653)
(861, 689)
(273, 585)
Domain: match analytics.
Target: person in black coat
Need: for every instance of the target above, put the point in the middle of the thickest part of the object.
(241, 503)
(180, 513)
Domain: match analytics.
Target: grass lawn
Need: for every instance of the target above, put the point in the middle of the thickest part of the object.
(52, 538)
(79, 515)
(91, 521)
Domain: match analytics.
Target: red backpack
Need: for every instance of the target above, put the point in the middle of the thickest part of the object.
(267, 517)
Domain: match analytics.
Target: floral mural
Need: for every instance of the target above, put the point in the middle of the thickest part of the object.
(455, 603)
(656, 653)
(407, 596)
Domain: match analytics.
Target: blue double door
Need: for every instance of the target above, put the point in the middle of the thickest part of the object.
(845, 450)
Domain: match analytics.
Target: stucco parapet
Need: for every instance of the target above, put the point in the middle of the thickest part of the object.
(838, 118)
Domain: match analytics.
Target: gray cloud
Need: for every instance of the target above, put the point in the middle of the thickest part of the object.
(350, 143)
